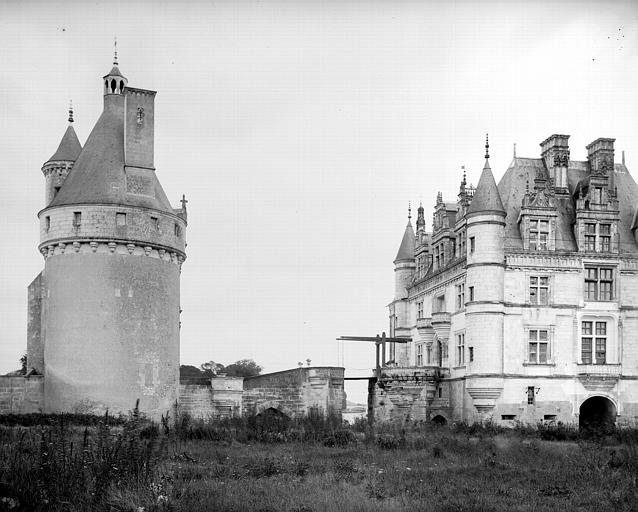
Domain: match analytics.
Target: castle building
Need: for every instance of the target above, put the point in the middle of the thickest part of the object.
(521, 304)
(104, 314)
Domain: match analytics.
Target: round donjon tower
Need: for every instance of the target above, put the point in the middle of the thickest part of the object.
(113, 249)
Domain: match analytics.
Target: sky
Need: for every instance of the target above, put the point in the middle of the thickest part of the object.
(299, 132)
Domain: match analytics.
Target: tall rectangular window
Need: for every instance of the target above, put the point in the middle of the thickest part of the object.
(599, 283)
(77, 219)
(538, 346)
(419, 354)
(531, 395)
(460, 296)
(472, 244)
(419, 309)
(604, 230)
(590, 236)
(428, 354)
(471, 290)
(178, 230)
(539, 290)
(586, 342)
(601, 342)
(471, 353)
(47, 223)
(460, 349)
(538, 235)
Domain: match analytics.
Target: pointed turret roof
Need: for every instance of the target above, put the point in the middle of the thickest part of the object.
(69, 147)
(99, 176)
(406, 250)
(486, 197)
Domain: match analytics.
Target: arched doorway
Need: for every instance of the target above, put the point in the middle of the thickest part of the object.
(597, 414)
(439, 420)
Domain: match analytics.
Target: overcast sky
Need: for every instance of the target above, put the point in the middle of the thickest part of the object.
(299, 131)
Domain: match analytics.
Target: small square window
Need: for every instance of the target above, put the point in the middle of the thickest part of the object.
(120, 219)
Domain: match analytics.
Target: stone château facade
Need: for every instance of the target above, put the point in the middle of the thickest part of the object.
(521, 304)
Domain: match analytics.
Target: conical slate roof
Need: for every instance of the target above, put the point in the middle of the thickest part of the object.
(486, 197)
(69, 147)
(406, 250)
(99, 176)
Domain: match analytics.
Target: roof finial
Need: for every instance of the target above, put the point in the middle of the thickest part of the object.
(515, 150)
(623, 157)
(115, 52)
(464, 175)
(487, 146)
(409, 210)
(70, 111)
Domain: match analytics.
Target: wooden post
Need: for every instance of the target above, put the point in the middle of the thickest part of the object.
(383, 358)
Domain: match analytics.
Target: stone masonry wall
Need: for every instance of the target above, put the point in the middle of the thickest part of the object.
(21, 395)
(295, 392)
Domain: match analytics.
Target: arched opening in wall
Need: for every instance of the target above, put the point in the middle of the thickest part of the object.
(597, 415)
(439, 420)
(272, 420)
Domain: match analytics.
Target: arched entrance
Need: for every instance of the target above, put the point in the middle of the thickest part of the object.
(439, 420)
(597, 414)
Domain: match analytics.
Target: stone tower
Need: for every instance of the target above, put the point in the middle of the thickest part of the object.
(104, 315)
(484, 293)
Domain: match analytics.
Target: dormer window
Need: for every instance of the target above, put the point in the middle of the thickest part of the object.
(538, 235)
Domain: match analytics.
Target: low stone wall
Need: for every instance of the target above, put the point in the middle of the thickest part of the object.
(21, 395)
(295, 392)
(220, 397)
(292, 392)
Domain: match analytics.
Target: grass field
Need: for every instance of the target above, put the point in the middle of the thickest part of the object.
(312, 466)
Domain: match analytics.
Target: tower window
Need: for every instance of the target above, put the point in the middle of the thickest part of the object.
(419, 354)
(155, 223)
(460, 296)
(471, 290)
(120, 219)
(113, 85)
(178, 230)
(47, 223)
(55, 191)
(77, 219)
(460, 349)
(472, 244)
(471, 353)
(599, 283)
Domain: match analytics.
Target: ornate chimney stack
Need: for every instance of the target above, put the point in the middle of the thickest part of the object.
(555, 153)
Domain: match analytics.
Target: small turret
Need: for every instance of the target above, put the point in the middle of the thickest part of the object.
(404, 263)
(114, 81)
(485, 289)
(57, 168)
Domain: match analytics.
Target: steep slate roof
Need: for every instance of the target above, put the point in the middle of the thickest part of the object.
(406, 250)
(99, 177)
(69, 147)
(487, 197)
(522, 171)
